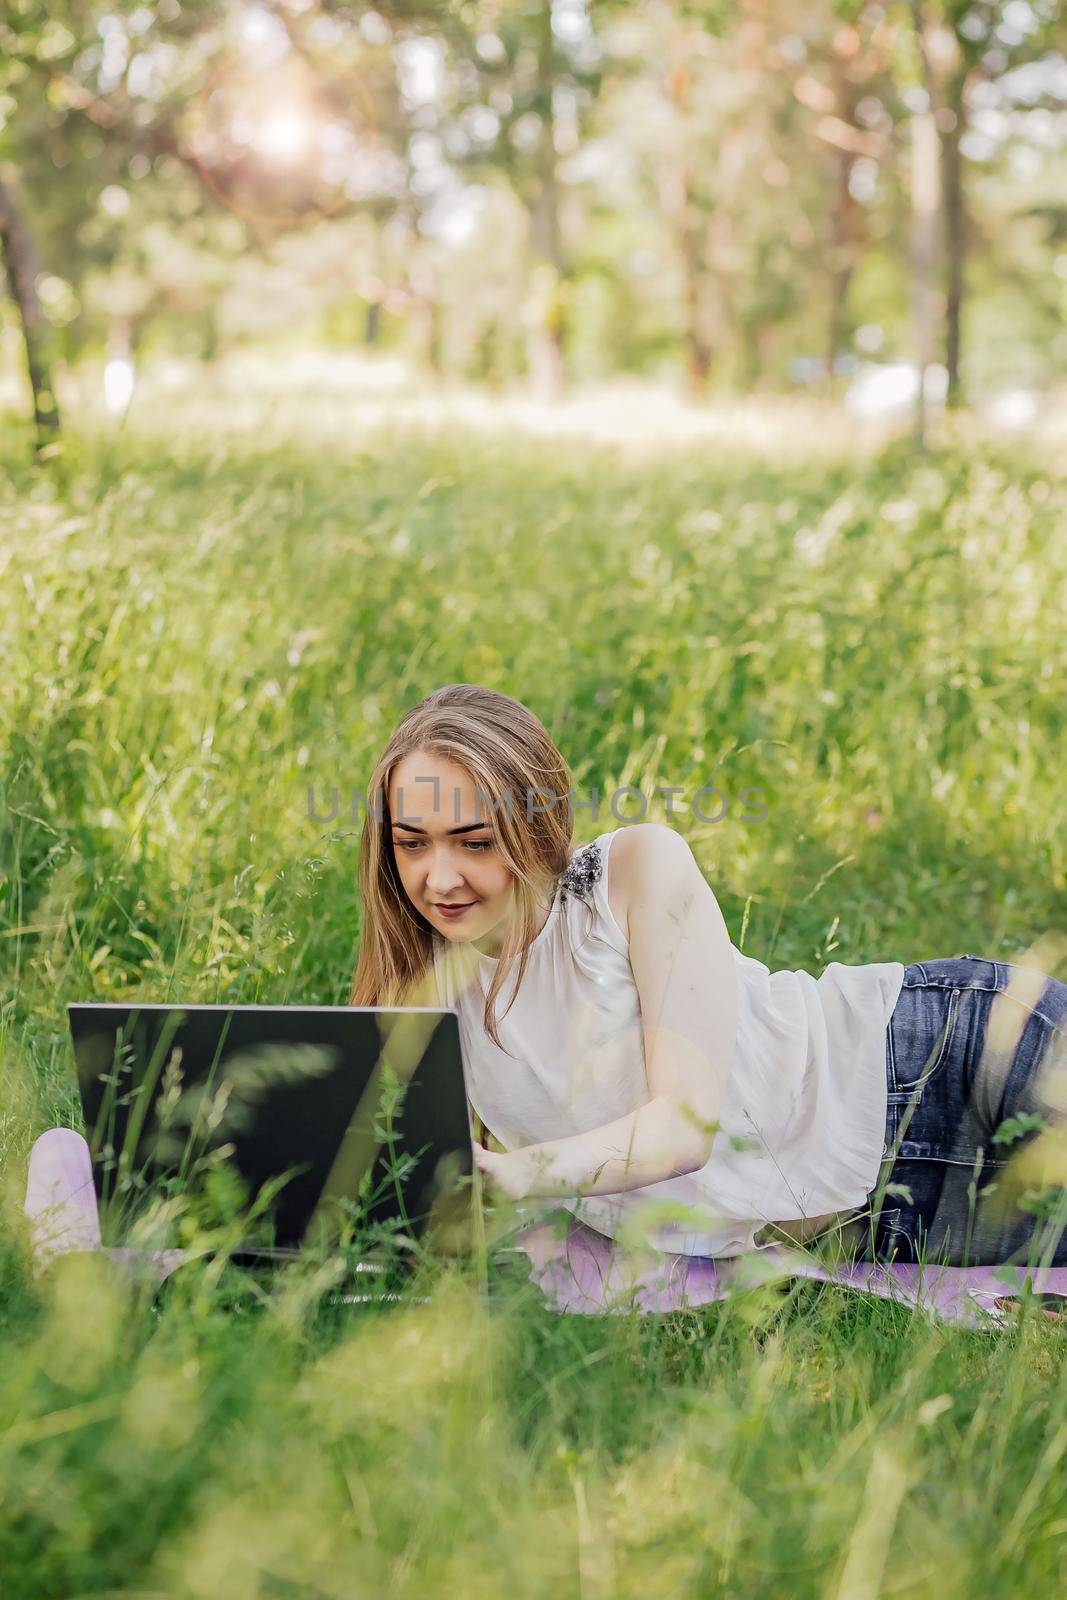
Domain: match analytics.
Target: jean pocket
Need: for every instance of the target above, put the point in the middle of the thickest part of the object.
(894, 1240)
(919, 1038)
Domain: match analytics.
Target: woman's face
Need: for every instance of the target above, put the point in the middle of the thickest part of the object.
(445, 850)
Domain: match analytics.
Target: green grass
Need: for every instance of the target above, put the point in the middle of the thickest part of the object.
(207, 619)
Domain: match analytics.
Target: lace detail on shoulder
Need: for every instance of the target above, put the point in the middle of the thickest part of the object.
(585, 869)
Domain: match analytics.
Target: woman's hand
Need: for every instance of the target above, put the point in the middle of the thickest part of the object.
(523, 1174)
(505, 1174)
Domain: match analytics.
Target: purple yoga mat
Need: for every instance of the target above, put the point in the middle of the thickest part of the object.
(585, 1273)
(582, 1273)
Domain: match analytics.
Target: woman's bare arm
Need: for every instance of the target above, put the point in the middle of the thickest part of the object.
(683, 966)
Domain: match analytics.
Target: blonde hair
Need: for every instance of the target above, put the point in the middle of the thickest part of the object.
(506, 751)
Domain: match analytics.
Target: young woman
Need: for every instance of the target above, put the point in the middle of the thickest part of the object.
(625, 1058)
(621, 1053)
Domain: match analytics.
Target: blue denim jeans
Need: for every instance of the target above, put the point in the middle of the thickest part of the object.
(975, 1155)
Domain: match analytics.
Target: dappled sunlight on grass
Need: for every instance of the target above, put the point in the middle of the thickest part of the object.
(339, 399)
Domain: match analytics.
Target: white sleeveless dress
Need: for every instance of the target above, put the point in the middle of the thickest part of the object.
(802, 1125)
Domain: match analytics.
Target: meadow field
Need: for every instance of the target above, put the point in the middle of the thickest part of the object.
(225, 604)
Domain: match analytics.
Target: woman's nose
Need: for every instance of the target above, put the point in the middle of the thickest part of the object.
(442, 877)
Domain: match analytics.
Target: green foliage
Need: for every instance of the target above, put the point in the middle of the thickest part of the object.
(1013, 1128)
(666, 185)
(216, 614)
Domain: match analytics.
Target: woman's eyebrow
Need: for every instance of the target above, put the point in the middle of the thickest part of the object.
(467, 827)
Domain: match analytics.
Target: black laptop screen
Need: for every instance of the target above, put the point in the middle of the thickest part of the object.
(344, 1100)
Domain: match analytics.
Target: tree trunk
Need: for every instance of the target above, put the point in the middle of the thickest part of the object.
(724, 246)
(924, 209)
(698, 346)
(840, 260)
(547, 325)
(680, 205)
(20, 259)
(723, 254)
(428, 320)
(956, 237)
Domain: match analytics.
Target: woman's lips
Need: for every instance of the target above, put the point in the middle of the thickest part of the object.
(453, 913)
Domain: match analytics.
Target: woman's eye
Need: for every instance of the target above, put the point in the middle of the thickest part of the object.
(410, 845)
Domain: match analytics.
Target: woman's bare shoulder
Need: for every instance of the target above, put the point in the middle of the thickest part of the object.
(644, 853)
(647, 846)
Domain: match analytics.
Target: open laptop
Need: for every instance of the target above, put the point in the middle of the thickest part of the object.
(317, 1108)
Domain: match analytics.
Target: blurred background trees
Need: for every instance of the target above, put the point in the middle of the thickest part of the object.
(755, 194)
